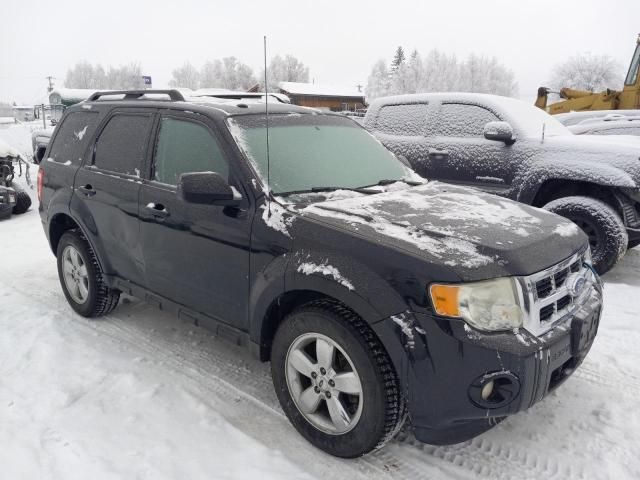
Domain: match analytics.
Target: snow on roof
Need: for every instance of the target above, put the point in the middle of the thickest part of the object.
(298, 88)
(77, 94)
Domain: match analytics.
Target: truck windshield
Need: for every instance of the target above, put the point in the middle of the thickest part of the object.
(309, 152)
(529, 120)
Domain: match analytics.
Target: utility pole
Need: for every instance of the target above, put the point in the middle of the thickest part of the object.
(50, 88)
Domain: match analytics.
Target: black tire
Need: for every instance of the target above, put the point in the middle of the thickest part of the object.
(383, 405)
(23, 202)
(101, 299)
(602, 224)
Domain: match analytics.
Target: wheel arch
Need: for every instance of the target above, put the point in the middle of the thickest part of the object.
(555, 188)
(266, 323)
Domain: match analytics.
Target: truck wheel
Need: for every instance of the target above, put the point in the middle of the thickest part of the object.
(602, 224)
(81, 277)
(335, 381)
(23, 202)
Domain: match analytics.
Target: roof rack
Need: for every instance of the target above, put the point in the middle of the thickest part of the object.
(174, 95)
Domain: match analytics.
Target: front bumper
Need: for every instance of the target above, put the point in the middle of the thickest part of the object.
(444, 364)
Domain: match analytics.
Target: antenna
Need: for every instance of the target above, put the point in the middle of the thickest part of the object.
(266, 113)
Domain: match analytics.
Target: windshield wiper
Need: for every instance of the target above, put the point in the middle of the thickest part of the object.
(325, 190)
(385, 182)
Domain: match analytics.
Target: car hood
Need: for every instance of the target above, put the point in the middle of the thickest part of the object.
(613, 158)
(478, 235)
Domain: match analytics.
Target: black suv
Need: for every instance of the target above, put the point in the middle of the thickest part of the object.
(507, 147)
(375, 295)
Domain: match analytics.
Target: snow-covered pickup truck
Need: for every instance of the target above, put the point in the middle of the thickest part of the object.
(375, 294)
(507, 147)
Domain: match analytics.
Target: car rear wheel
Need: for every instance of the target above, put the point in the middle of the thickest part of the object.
(81, 277)
(23, 202)
(601, 223)
(335, 381)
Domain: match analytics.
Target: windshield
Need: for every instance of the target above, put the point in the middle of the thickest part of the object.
(529, 120)
(314, 151)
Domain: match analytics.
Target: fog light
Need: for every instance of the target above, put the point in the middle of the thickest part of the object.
(495, 389)
(487, 390)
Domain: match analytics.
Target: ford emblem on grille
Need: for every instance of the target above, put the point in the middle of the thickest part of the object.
(575, 284)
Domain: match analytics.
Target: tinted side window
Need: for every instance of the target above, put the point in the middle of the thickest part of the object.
(184, 146)
(122, 144)
(71, 141)
(461, 120)
(402, 119)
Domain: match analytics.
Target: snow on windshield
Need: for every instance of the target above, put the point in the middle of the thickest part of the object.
(529, 120)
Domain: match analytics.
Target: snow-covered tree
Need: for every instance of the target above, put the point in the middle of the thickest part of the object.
(125, 77)
(587, 72)
(186, 76)
(440, 72)
(287, 69)
(486, 75)
(227, 73)
(86, 75)
(81, 75)
(379, 81)
(398, 59)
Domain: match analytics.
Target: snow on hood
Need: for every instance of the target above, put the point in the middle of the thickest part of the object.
(456, 226)
(615, 159)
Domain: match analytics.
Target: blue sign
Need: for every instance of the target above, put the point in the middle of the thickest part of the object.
(146, 80)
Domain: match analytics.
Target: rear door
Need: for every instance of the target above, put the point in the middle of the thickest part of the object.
(65, 154)
(195, 255)
(460, 154)
(107, 189)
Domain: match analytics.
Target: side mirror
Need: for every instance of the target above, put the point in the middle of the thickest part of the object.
(207, 188)
(500, 131)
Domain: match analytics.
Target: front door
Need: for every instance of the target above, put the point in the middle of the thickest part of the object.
(195, 255)
(460, 154)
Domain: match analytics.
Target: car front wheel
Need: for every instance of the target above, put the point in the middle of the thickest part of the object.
(601, 223)
(335, 381)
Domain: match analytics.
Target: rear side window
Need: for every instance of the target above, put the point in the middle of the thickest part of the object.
(402, 119)
(71, 141)
(122, 144)
(185, 146)
(462, 120)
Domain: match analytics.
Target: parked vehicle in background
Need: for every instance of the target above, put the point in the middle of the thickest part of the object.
(374, 294)
(506, 147)
(573, 118)
(622, 126)
(582, 100)
(12, 194)
(40, 141)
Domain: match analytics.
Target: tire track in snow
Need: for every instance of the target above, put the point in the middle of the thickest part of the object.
(214, 368)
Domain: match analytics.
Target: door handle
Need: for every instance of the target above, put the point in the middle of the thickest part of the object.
(87, 190)
(438, 154)
(157, 210)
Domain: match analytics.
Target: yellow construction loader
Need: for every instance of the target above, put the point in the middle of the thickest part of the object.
(579, 100)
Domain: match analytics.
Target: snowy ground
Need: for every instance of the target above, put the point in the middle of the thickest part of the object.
(140, 394)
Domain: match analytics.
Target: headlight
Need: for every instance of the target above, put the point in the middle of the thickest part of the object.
(490, 305)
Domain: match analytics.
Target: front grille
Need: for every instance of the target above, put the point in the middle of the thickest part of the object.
(547, 292)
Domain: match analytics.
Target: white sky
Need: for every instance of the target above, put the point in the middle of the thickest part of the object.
(338, 40)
